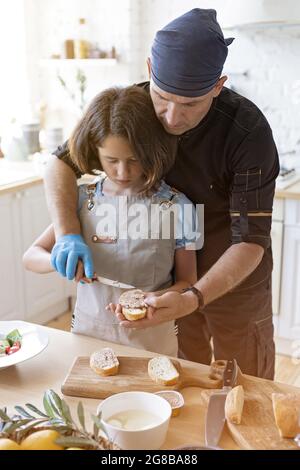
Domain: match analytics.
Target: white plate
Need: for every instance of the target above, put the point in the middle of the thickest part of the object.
(34, 340)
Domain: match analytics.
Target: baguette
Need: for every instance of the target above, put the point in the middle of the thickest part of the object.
(104, 362)
(162, 371)
(133, 304)
(286, 409)
(234, 405)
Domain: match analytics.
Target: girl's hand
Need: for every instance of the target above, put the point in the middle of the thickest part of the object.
(116, 309)
(80, 275)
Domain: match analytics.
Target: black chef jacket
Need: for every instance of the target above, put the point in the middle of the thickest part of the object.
(229, 163)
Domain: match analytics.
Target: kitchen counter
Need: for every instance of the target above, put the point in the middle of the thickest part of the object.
(292, 192)
(27, 381)
(16, 176)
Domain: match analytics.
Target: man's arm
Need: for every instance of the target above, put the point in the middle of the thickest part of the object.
(237, 263)
(234, 266)
(61, 194)
(255, 167)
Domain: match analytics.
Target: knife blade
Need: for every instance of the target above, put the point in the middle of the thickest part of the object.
(215, 417)
(111, 282)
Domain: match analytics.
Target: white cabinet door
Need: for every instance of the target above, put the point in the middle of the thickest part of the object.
(289, 318)
(43, 292)
(11, 291)
(277, 240)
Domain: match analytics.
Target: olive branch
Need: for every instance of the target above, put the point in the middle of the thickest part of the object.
(56, 416)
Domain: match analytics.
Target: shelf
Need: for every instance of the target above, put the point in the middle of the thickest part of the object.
(78, 62)
(262, 25)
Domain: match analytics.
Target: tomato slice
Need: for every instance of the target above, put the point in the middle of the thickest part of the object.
(14, 348)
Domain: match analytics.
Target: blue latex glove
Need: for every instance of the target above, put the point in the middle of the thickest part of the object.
(66, 253)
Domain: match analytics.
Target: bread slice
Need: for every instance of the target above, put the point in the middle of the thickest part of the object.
(234, 405)
(133, 304)
(133, 314)
(104, 362)
(162, 370)
(286, 407)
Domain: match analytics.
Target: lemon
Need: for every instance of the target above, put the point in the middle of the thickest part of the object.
(74, 448)
(8, 444)
(41, 440)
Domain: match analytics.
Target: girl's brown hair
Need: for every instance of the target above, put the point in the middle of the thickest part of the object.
(125, 112)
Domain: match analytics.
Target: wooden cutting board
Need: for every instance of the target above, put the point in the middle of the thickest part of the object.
(82, 381)
(257, 429)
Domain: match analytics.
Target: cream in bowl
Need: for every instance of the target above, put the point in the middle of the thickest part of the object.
(136, 420)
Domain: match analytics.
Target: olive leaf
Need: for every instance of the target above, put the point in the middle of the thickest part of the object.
(80, 414)
(36, 410)
(50, 411)
(96, 431)
(9, 427)
(23, 412)
(70, 441)
(66, 413)
(3, 415)
(56, 401)
(98, 423)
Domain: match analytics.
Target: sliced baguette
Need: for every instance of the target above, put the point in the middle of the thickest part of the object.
(162, 371)
(133, 314)
(234, 405)
(104, 362)
(133, 304)
(286, 407)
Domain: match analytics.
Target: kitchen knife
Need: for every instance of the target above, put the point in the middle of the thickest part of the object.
(215, 417)
(110, 282)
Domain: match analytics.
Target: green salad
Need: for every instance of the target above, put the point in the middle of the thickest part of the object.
(10, 343)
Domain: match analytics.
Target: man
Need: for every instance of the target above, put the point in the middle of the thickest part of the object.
(226, 160)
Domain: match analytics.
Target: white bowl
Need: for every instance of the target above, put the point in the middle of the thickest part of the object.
(153, 436)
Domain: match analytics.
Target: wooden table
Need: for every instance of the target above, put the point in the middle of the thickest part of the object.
(27, 381)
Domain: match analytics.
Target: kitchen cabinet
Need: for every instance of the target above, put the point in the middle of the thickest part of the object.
(11, 293)
(277, 241)
(47, 292)
(286, 273)
(289, 322)
(26, 295)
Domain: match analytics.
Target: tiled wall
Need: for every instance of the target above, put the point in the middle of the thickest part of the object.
(263, 65)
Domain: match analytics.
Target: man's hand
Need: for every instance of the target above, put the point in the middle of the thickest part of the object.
(116, 309)
(66, 253)
(167, 307)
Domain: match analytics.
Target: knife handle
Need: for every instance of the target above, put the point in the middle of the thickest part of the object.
(230, 373)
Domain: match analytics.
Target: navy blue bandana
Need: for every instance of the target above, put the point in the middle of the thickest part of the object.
(189, 53)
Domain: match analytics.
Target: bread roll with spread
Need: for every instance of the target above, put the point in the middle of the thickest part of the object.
(162, 371)
(133, 304)
(104, 362)
(286, 407)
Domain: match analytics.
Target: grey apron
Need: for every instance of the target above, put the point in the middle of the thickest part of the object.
(144, 263)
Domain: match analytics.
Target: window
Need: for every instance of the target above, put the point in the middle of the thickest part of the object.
(14, 83)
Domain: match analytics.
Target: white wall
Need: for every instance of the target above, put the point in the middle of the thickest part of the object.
(54, 21)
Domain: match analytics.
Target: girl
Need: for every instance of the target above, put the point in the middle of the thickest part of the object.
(120, 128)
